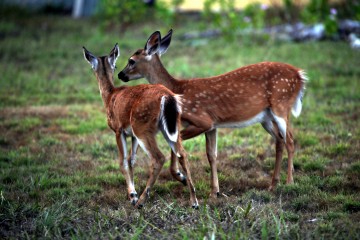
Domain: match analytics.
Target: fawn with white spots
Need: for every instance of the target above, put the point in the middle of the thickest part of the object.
(263, 93)
(140, 112)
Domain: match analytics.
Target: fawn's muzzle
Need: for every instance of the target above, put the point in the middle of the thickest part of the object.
(123, 77)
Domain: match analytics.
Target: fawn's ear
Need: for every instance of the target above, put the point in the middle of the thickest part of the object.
(165, 43)
(90, 58)
(152, 45)
(113, 56)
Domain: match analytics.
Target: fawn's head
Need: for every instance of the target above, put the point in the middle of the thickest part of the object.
(104, 66)
(138, 63)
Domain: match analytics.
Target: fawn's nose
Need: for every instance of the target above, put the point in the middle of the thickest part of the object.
(123, 77)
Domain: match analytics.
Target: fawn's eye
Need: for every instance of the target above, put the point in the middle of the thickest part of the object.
(131, 62)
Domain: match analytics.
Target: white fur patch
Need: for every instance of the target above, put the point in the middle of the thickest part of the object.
(261, 117)
(148, 57)
(134, 146)
(281, 123)
(296, 109)
(94, 63)
(123, 141)
(112, 62)
(142, 145)
(303, 76)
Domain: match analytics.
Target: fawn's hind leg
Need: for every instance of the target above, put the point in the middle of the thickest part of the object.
(157, 160)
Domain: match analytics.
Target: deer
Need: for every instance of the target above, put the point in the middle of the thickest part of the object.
(264, 93)
(140, 112)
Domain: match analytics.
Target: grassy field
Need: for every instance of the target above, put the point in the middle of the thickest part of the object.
(59, 172)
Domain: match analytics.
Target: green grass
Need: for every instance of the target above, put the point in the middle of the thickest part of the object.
(59, 168)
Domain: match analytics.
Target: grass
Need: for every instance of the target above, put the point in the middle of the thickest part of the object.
(59, 172)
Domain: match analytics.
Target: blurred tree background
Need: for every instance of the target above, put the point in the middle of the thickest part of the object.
(230, 16)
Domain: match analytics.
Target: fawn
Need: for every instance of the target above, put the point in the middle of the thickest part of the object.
(140, 112)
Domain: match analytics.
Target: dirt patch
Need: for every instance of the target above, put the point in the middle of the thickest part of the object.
(14, 134)
(43, 112)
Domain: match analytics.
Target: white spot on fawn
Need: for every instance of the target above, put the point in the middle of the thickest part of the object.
(148, 57)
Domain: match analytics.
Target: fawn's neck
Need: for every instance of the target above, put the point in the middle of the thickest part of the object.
(106, 86)
(159, 75)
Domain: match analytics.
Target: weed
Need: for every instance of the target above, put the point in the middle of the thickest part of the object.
(355, 167)
(338, 149)
(352, 206)
(315, 165)
(334, 215)
(291, 216)
(293, 190)
(259, 196)
(49, 141)
(307, 139)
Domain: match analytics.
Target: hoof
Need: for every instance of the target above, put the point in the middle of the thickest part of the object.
(133, 198)
(215, 195)
(139, 206)
(195, 206)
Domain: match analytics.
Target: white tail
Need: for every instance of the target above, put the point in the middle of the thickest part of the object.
(296, 109)
(263, 93)
(140, 112)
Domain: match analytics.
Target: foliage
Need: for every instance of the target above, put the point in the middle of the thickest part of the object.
(316, 11)
(176, 3)
(132, 12)
(230, 20)
(226, 19)
(124, 12)
(349, 9)
(320, 11)
(256, 16)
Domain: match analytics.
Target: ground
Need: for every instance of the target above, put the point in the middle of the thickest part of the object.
(59, 172)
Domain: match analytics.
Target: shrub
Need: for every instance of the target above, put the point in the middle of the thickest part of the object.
(124, 12)
(131, 12)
